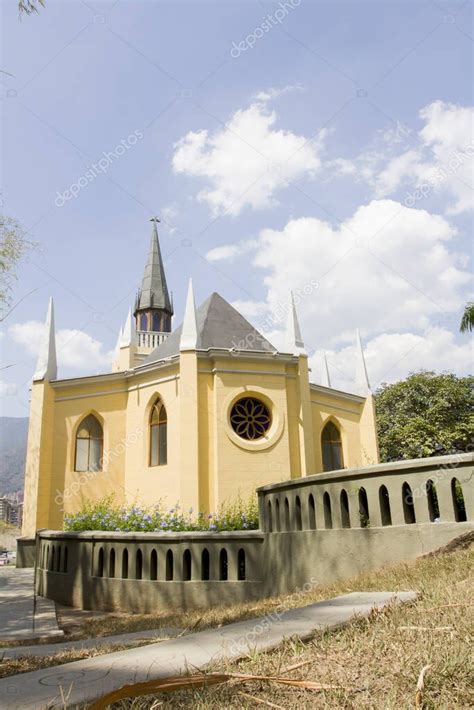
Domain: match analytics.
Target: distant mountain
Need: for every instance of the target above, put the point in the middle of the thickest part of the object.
(13, 436)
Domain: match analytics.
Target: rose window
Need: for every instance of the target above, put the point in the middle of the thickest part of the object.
(250, 418)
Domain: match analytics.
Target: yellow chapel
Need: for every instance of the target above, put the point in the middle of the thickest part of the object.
(197, 415)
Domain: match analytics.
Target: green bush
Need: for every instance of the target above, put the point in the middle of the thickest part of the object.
(106, 514)
(427, 414)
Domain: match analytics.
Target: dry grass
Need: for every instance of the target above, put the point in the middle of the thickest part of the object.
(377, 661)
(24, 664)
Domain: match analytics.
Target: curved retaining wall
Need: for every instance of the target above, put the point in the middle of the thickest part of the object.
(398, 493)
(315, 530)
(147, 572)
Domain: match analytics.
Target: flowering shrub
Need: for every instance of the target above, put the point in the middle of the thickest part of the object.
(105, 514)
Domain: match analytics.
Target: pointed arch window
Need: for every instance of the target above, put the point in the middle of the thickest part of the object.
(331, 445)
(158, 434)
(89, 445)
(143, 321)
(156, 322)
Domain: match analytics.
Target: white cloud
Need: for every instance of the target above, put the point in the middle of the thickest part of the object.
(344, 277)
(441, 160)
(251, 309)
(275, 93)
(391, 357)
(248, 161)
(74, 348)
(169, 215)
(228, 252)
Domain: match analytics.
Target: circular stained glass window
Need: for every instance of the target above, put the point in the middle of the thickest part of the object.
(250, 418)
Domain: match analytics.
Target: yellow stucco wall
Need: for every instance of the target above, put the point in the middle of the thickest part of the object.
(355, 418)
(240, 466)
(145, 484)
(207, 463)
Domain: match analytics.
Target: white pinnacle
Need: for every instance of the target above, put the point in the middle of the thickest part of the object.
(189, 330)
(293, 341)
(129, 333)
(325, 379)
(46, 367)
(361, 381)
(119, 341)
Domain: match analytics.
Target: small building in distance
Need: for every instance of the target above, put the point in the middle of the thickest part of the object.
(11, 512)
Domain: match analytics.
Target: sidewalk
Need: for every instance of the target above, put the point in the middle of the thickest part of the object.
(127, 639)
(18, 618)
(83, 681)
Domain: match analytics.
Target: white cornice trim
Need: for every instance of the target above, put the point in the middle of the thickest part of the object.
(235, 354)
(330, 392)
(246, 372)
(325, 405)
(134, 388)
(140, 369)
(91, 394)
(92, 379)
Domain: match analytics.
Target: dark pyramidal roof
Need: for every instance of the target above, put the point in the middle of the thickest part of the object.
(219, 325)
(154, 290)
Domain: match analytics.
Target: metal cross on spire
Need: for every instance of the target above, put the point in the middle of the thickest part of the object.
(155, 219)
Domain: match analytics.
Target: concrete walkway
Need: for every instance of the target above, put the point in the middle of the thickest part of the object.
(19, 619)
(83, 681)
(132, 638)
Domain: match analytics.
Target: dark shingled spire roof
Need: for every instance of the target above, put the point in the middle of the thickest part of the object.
(219, 325)
(154, 291)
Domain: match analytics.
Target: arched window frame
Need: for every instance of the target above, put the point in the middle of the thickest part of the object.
(330, 446)
(158, 430)
(156, 322)
(345, 510)
(143, 321)
(385, 508)
(93, 454)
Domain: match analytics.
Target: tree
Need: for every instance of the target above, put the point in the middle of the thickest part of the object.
(425, 415)
(467, 320)
(28, 6)
(13, 246)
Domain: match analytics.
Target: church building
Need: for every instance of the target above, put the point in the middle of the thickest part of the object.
(197, 415)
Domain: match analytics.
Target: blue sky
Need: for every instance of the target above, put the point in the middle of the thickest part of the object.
(320, 146)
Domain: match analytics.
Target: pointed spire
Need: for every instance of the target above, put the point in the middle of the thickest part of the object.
(119, 341)
(154, 290)
(293, 340)
(362, 381)
(129, 333)
(189, 331)
(46, 367)
(325, 379)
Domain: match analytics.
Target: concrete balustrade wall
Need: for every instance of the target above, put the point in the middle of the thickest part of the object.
(315, 530)
(147, 572)
(335, 525)
(398, 493)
